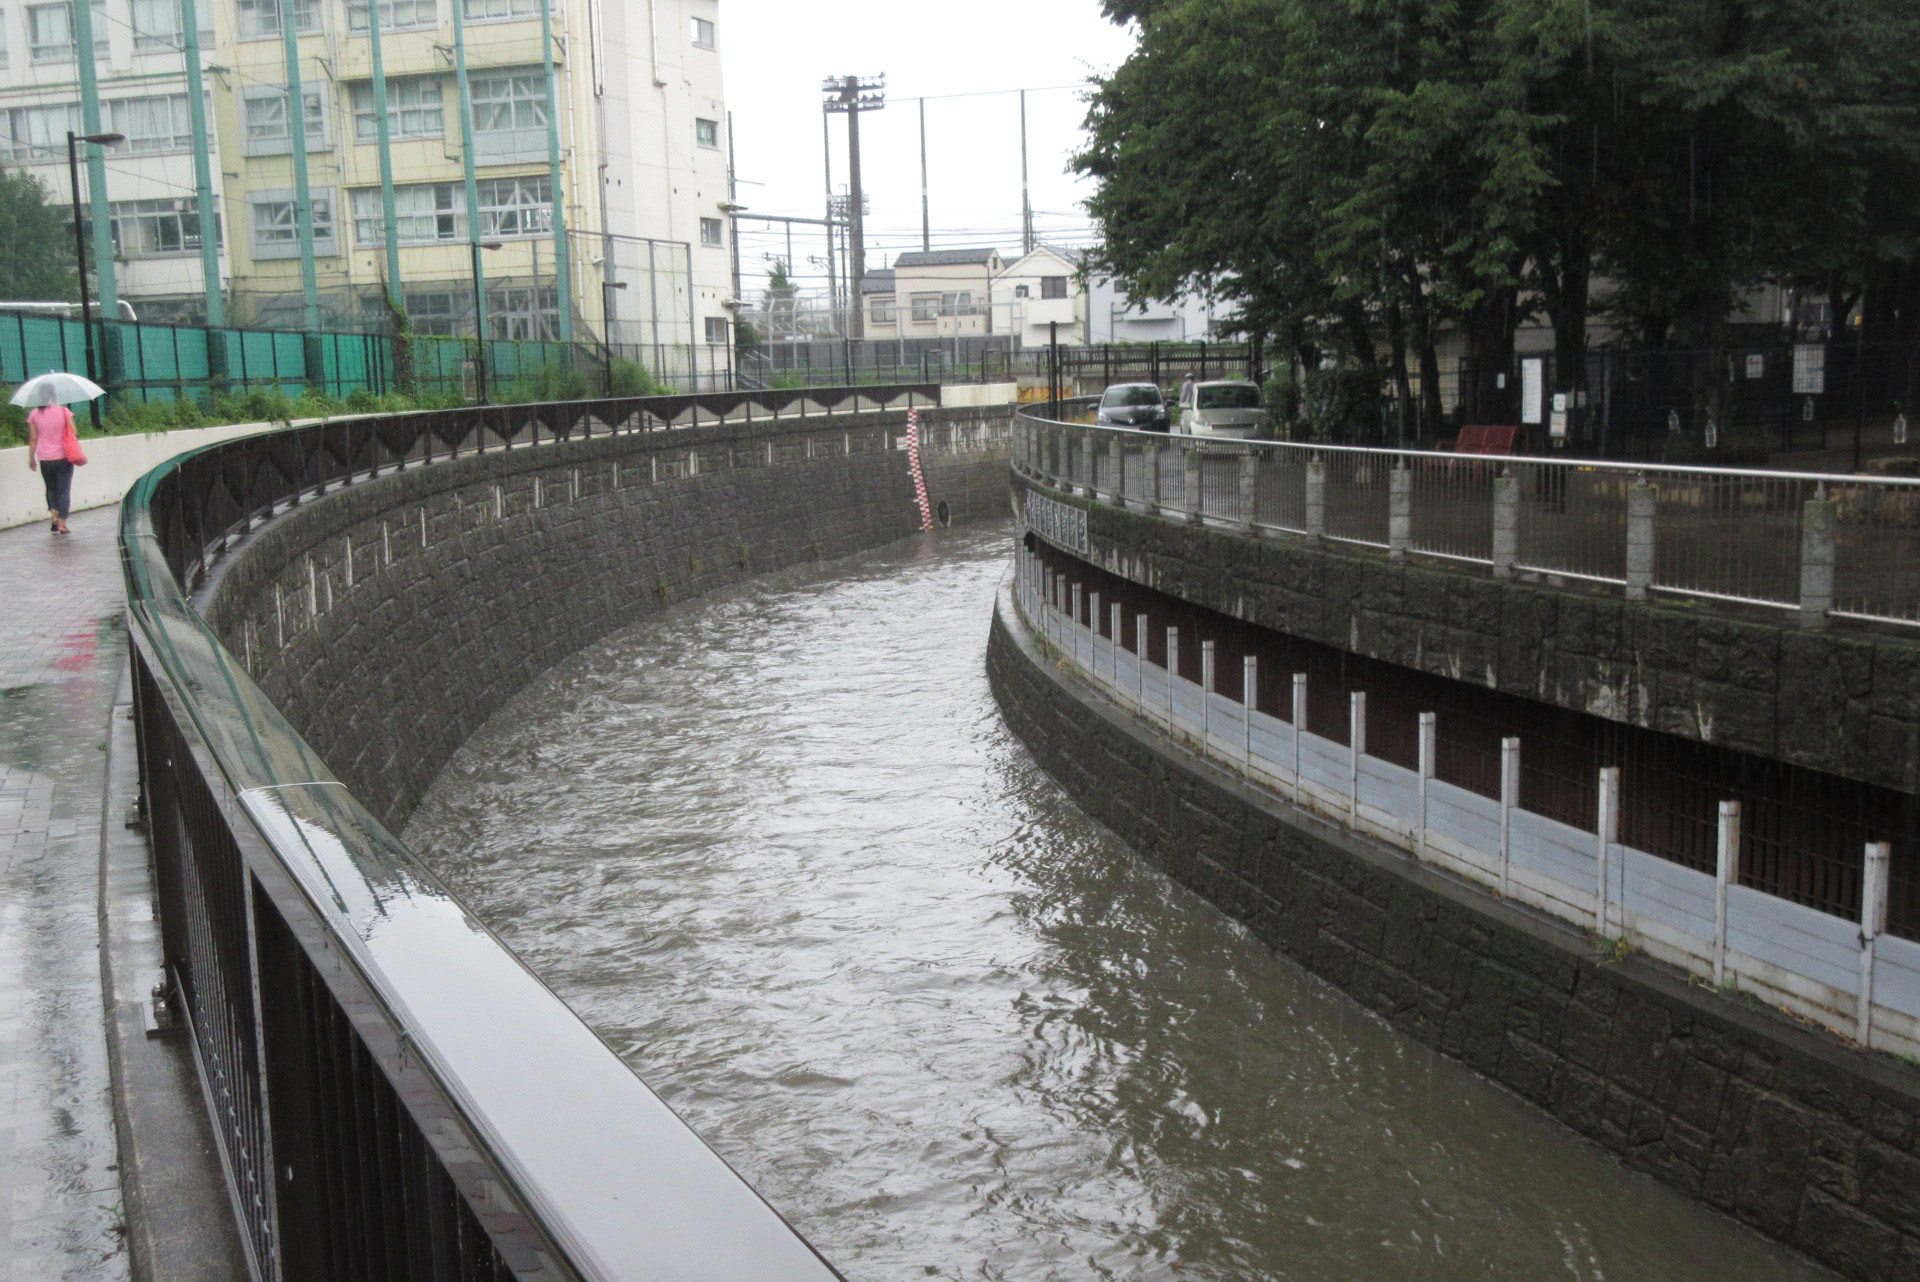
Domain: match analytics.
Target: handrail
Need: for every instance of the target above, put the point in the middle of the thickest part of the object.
(1828, 546)
(385, 1075)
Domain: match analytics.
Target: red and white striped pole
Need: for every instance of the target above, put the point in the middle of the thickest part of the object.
(913, 463)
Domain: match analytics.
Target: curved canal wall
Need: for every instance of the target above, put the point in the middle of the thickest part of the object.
(389, 620)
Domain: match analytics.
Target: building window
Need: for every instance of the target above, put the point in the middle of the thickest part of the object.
(38, 135)
(416, 108)
(432, 312)
(260, 19)
(707, 133)
(276, 226)
(423, 213)
(395, 15)
(717, 330)
(702, 34)
(523, 312)
(926, 307)
(156, 25)
(50, 33)
(1019, 291)
(263, 113)
(156, 124)
(151, 228)
(713, 232)
(1053, 287)
(494, 10)
(516, 206)
(883, 313)
(505, 103)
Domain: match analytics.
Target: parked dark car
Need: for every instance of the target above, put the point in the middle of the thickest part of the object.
(1141, 406)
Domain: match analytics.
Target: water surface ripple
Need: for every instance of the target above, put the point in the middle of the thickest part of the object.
(780, 850)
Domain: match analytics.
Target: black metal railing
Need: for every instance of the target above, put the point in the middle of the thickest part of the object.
(393, 1093)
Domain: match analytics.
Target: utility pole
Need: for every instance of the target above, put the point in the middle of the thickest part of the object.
(383, 138)
(202, 169)
(562, 259)
(826, 158)
(733, 217)
(90, 126)
(1026, 202)
(297, 143)
(926, 221)
(851, 95)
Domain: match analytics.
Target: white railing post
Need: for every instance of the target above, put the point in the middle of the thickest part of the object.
(1608, 832)
(1249, 694)
(1113, 623)
(1819, 519)
(1873, 920)
(1249, 484)
(1509, 799)
(1356, 749)
(1640, 510)
(1150, 459)
(1428, 723)
(1192, 501)
(1726, 872)
(1090, 452)
(1140, 662)
(1506, 524)
(1173, 667)
(1206, 693)
(1073, 629)
(1399, 509)
(1117, 458)
(1299, 711)
(1316, 496)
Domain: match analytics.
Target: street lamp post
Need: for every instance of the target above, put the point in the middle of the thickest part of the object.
(606, 326)
(480, 320)
(80, 249)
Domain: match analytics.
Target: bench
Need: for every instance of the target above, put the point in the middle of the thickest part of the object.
(1482, 438)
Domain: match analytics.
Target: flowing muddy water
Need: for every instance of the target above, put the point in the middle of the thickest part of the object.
(779, 849)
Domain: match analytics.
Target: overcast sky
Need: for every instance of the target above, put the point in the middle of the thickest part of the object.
(776, 53)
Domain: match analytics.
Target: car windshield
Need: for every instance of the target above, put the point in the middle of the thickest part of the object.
(1229, 396)
(1137, 394)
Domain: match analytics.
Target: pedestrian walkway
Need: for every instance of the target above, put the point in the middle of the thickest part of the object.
(62, 646)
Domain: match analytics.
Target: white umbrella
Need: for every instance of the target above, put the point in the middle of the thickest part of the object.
(56, 388)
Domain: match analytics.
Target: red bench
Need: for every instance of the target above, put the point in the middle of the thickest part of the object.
(1482, 438)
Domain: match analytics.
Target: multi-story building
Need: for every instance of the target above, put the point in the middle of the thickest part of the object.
(642, 181)
(1038, 295)
(937, 294)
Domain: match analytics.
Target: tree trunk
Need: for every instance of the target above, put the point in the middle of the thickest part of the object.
(1488, 395)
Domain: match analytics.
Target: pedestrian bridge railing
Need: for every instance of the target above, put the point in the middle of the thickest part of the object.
(393, 1093)
(1841, 970)
(1821, 545)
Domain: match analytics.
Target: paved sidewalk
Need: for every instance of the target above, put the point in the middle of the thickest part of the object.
(61, 651)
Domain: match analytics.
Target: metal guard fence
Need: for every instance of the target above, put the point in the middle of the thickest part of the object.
(1826, 546)
(393, 1093)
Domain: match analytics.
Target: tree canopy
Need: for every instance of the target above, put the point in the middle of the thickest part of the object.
(36, 243)
(1356, 174)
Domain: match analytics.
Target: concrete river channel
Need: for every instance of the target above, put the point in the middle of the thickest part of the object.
(777, 847)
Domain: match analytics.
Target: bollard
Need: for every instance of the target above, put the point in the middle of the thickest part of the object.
(1428, 724)
(1399, 511)
(1819, 519)
(1356, 749)
(1726, 872)
(1150, 456)
(1249, 482)
(1140, 662)
(1173, 667)
(1606, 833)
(1113, 626)
(1116, 452)
(1249, 695)
(1090, 453)
(1873, 920)
(1640, 510)
(1299, 726)
(1191, 499)
(1509, 798)
(1316, 496)
(1506, 524)
(1206, 693)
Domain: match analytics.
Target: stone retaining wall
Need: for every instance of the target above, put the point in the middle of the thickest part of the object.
(1780, 1127)
(390, 619)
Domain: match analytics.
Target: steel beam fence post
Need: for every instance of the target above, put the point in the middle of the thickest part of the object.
(1726, 872)
(1173, 667)
(1873, 920)
(1249, 696)
(1206, 694)
(1140, 662)
(1509, 799)
(1299, 728)
(1427, 731)
(1606, 834)
(1356, 749)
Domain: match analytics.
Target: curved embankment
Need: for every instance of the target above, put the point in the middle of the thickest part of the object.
(1778, 1126)
(389, 620)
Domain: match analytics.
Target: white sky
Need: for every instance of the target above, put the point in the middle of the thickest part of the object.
(776, 52)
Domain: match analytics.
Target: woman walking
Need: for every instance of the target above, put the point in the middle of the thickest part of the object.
(53, 447)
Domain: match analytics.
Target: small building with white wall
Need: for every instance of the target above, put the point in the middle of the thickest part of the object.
(1036, 292)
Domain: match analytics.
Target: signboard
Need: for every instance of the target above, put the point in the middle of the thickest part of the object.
(1756, 365)
(1060, 524)
(1809, 369)
(1533, 386)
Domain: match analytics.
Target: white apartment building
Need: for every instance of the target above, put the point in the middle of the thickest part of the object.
(643, 182)
(1037, 292)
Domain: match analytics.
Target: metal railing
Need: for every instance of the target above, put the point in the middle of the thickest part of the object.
(1822, 545)
(393, 1093)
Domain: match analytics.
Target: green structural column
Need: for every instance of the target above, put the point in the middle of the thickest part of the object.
(390, 226)
(562, 261)
(105, 289)
(297, 140)
(202, 165)
(466, 157)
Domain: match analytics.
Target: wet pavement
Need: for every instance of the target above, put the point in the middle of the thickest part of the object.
(779, 849)
(61, 649)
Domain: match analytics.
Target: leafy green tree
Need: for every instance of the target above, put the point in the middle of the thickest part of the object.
(36, 243)
(780, 300)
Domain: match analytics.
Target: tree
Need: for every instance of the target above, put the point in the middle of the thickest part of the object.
(780, 300)
(36, 243)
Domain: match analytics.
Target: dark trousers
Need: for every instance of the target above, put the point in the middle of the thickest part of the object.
(58, 475)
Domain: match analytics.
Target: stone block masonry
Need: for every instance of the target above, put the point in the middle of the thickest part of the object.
(1843, 701)
(388, 620)
(1772, 1123)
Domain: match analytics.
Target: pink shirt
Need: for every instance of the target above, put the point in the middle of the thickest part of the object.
(49, 424)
